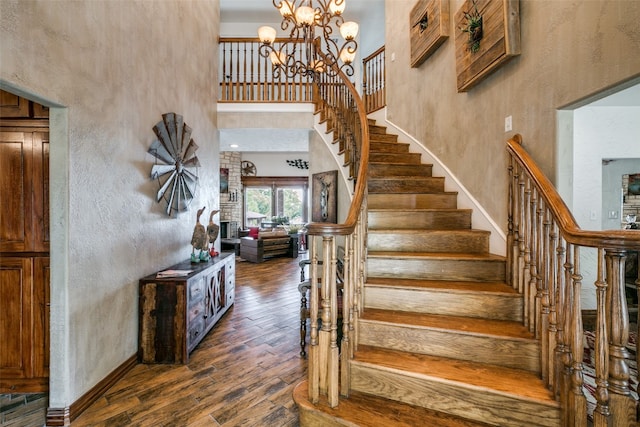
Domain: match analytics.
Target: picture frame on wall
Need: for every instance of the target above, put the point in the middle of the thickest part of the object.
(487, 35)
(428, 28)
(224, 180)
(324, 202)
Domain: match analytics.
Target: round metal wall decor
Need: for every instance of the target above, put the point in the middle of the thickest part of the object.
(247, 168)
(176, 167)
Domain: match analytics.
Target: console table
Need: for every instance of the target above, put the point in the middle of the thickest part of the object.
(176, 312)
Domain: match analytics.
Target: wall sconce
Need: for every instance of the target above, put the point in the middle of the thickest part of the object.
(233, 196)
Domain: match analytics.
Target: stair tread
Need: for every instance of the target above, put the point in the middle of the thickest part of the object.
(435, 255)
(426, 230)
(449, 286)
(507, 381)
(405, 178)
(417, 210)
(475, 326)
(372, 411)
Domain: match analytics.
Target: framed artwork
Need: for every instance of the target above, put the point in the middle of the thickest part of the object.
(224, 180)
(324, 202)
(429, 28)
(487, 35)
(633, 188)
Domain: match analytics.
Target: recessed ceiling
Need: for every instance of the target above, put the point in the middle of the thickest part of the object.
(272, 140)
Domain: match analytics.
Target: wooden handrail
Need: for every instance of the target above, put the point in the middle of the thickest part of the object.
(618, 239)
(348, 226)
(374, 54)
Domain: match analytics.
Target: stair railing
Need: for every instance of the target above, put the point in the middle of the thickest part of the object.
(374, 81)
(328, 370)
(545, 251)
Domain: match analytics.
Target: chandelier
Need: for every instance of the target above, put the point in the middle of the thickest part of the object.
(313, 47)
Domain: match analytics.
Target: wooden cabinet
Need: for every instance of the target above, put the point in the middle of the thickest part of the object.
(175, 313)
(24, 247)
(24, 324)
(24, 190)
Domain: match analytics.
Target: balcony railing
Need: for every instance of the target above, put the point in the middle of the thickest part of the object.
(246, 76)
(373, 81)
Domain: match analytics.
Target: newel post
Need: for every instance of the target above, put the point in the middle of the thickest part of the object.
(621, 403)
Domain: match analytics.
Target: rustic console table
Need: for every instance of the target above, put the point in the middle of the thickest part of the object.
(176, 312)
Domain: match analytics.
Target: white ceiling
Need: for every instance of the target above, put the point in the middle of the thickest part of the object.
(264, 11)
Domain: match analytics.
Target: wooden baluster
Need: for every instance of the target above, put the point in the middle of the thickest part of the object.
(577, 399)
(314, 354)
(528, 297)
(601, 413)
(333, 370)
(223, 83)
(521, 238)
(511, 256)
(244, 95)
(534, 298)
(552, 292)
(543, 288)
(567, 355)
(561, 313)
(252, 81)
(347, 317)
(621, 404)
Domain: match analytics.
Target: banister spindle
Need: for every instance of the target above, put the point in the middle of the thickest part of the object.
(561, 340)
(577, 399)
(601, 413)
(314, 356)
(543, 281)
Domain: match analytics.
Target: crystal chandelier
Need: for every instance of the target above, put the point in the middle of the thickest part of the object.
(312, 24)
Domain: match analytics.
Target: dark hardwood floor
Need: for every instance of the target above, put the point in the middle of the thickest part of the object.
(242, 374)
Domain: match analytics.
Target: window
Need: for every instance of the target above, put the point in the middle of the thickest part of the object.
(271, 200)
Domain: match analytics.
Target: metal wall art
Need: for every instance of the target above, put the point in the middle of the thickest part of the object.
(324, 205)
(429, 28)
(176, 167)
(487, 35)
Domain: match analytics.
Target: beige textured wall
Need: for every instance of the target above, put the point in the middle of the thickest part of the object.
(113, 67)
(569, 50)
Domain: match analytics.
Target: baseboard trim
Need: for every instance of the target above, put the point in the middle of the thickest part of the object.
(63, 416)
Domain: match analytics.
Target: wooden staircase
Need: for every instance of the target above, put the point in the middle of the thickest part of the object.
(441, 336)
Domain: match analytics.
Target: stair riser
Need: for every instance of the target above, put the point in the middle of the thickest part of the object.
(377, 130)
(478, 404)
(501, 351)
(469, 304)
(413, 201)
(385, 170)
(451, 220)
(413, 158)
(409, 185)
(454, 241)
(388, 147)
(382, 138)
(435, 269)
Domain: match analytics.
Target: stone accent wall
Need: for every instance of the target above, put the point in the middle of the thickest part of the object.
(231, 202)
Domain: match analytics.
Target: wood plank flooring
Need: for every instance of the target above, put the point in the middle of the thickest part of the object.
(242, 374)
